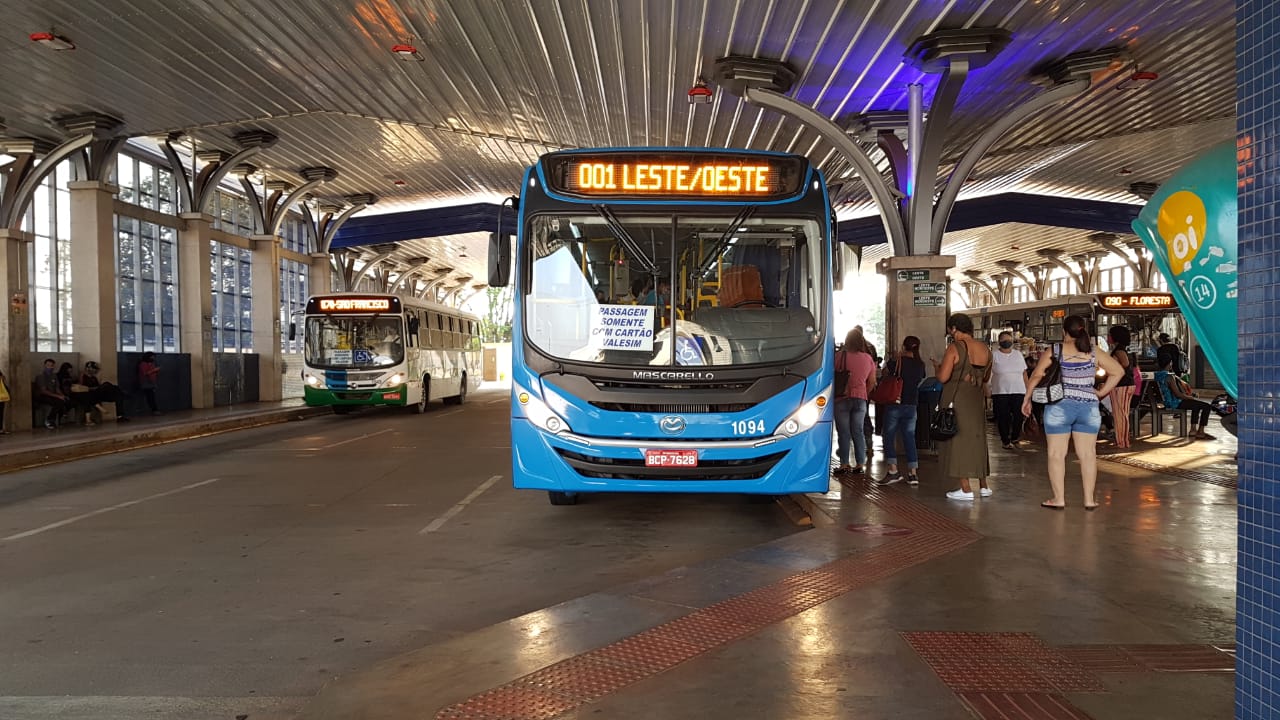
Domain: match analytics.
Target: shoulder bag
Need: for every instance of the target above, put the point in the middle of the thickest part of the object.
(841, 388)
(944, 425)
(889, 390)
(1050, 389)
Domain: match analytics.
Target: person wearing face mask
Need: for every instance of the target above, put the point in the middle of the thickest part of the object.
(1008, 384)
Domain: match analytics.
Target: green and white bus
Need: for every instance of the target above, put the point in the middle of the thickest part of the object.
(372, 349)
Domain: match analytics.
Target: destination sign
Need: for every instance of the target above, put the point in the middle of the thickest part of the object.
(1137, 301)
(339, 304)
(675, 175)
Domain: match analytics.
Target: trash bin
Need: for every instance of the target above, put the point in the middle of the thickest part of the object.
(930, 390)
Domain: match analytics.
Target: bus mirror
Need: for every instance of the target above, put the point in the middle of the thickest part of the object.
(499, 259)
(837, 267)
(293, 331)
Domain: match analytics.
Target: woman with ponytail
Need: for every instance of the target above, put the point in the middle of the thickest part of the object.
(1076, 416)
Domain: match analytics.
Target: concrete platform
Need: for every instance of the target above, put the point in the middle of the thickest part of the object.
(899, 604)
(38, 447)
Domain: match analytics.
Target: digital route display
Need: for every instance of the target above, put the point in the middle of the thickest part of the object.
(352, 304)
(1137, 301)
(676, 175)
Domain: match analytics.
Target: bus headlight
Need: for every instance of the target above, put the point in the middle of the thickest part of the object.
(310, 379)
(538, 412)
(808, 415)
(394, 380)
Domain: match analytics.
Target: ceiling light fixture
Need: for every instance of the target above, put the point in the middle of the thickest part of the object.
(700, 94)
(407, 52)
(399, 182)
(52, 41)
(1138, 79)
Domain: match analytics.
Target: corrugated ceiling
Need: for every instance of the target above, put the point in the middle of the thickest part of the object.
(500, 82)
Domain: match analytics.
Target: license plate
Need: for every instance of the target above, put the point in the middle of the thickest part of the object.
(391, 396)
(671, 458)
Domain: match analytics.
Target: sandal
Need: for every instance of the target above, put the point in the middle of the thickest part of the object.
(1051, 506)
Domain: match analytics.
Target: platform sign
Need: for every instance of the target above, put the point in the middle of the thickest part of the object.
(912, 275)
(930, 301)
(934, 288)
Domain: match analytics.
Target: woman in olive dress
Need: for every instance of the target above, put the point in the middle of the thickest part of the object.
(964, 372)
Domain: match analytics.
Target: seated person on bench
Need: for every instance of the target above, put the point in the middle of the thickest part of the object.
(1177, 395)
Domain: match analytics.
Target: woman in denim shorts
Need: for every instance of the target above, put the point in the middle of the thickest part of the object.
(1075, 416)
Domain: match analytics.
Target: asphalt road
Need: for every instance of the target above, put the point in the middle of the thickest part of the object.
(234, 575)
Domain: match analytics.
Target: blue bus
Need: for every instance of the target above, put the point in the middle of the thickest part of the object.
(673, 325)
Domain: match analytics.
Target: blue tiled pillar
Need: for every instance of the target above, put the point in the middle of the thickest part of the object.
(1258, 127)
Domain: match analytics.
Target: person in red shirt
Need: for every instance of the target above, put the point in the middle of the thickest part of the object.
(851, 405)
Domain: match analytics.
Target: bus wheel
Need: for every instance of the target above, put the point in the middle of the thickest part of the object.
(421, 407)
(562, 498)
(342, 409)
(461, 397)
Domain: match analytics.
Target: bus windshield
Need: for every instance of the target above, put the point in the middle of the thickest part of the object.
(343, 341)
(674, 290)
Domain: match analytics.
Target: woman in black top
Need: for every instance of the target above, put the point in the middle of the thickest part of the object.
(900, 417)
(1118, 338)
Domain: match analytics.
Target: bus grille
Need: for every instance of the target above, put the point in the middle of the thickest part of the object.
(680, 409)
(635, 469)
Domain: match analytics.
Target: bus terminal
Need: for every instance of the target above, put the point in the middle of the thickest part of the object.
(523, 360)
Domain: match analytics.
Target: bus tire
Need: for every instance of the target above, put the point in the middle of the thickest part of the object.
(562, 498)
(421, 406)
(342, 409)
(461, 397)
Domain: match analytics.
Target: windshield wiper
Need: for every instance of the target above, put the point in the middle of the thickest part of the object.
(624, 237)
(744, 215)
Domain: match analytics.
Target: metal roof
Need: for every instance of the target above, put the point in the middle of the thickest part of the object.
(500, 82)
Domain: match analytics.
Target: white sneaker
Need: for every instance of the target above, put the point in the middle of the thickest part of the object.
(960, 495)
(984, 492)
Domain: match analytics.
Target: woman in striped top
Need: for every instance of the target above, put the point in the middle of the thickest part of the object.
(1076, 416)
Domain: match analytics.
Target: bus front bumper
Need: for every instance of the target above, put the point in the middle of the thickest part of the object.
(327, 397)
(543, 461)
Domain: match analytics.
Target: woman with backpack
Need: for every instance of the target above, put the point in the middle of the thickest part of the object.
(1118, 338)
(855, 376)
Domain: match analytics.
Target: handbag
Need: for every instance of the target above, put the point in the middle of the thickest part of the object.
(1050, 389)
(842, 378)
(889, 390)
(945, 425)
(4, 392)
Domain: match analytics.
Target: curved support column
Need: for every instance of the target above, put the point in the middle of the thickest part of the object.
(185, 200)
(993, 133)
(366, 270)
(330, 225)
(835, 135)
(925, 174)
(277, 214)
(16, 200)
(212, 175)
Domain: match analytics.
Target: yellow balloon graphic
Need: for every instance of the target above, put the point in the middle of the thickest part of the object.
(1182, 224)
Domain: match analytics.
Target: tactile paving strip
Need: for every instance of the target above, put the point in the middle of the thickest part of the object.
(1182, 658)
(905, 509)
(558, 688)
(1224, 479)
(1000, 663)
(1021, 706)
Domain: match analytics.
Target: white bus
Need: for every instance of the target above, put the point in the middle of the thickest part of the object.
(371, 349)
